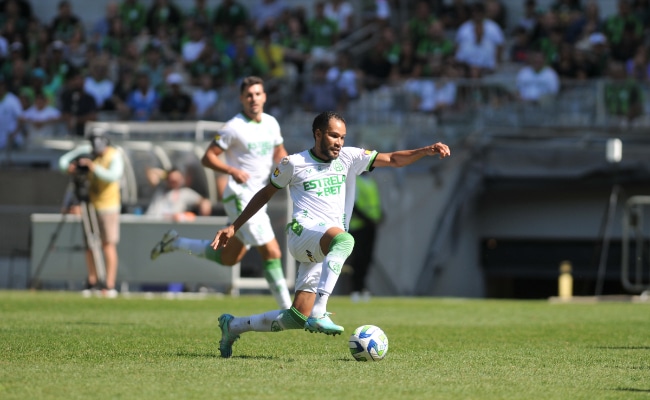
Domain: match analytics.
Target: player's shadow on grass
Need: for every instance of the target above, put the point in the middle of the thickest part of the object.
(634, 390)
(624, 347)
(186, 354)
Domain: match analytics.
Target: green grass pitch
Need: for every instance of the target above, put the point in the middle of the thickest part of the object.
(58, 345)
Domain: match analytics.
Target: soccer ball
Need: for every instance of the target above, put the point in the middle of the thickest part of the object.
(368, 343)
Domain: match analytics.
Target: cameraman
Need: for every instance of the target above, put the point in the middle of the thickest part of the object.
(97, 169)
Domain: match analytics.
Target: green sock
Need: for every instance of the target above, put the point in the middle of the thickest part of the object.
(277, 284)
(289, 319)
(212, 254)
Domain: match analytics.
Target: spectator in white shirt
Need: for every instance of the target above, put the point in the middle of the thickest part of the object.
(343, 13)
(205, 98)
(40, 118)
(193, 48)
(99, 86)
(10, 111)
(537, 80)
(479, 43)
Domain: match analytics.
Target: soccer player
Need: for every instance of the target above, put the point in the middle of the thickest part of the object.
(251, 143)
(317, 236)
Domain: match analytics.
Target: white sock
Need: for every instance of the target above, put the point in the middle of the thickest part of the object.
(254, 323)
(328, 278)
(195, 247)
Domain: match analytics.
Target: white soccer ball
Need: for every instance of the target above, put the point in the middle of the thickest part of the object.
(368, 343)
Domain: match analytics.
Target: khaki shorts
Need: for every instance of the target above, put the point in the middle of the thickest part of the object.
(109, 227)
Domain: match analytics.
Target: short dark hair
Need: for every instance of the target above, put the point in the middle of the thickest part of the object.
(322, 121)
(250, 81)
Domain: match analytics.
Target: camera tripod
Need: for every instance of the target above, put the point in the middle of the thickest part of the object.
(92, 237)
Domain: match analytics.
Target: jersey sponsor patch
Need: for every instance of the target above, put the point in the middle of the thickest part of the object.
(276, 173)
(368, 152)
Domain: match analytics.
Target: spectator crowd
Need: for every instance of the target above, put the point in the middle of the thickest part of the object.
(161, 61)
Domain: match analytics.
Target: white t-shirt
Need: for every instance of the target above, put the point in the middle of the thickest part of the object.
(101, 91)
(10, 111)
(33, 114)
(533, 85)
(249, 146)
(203, 100)
(484, 53)
(340, 14)
(318, 188)
(192, 50)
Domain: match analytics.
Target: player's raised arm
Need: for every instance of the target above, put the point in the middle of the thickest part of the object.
(402, 158)
(257, 202)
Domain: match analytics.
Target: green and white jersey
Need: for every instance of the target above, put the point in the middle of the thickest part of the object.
(249, 146)
(318, 188)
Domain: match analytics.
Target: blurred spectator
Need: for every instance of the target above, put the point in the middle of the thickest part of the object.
(479, 42)
(99, 86)
(172, 199)
(4, 48)
(322, 31)
(624, 21)
(200, 14)
(103, 24)
(40, 118)
(434, 96)
(116, 40)
(295, 42)
(126, 83)
(456, 14)
(320, 94)
(164, 15)
(65, 24)
(638, 67)
(343, 13)
(194, 46)
(266, 13)
(24, 8)
(497, 12)
(375, 66)
(345, 77)
(377, 11)
(77, 106)
(176, 105)
(133, 15)
(565, 65)
(623, 95)
(17, 11)
(243, 58)
(407, 65)
(537, 81)
(567, 11)
(205, 98)
(529, 18)
(551, 44)
(38, 84)
(143, 100)
(153, 65)
(56, 67)
(641, 8)
(77, 50)
(520, 45)
(629, 43)
(590, 20)
(434, 49)
(10, 110)
(19, 76)
(212, 63)
(418, 25)
(228, 15)
(270, 54)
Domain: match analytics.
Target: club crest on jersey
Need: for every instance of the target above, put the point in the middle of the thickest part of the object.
(276, 172)
(285, 161)
(368, 152)
(217, 137)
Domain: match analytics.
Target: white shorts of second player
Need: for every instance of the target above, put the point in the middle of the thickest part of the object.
(257, 231)
(303, 239)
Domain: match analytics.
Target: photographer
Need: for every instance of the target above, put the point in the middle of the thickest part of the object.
(96, 169)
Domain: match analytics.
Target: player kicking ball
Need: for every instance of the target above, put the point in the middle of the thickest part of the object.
(317, 236)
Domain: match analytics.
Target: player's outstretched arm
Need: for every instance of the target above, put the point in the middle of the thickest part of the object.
(402, 158)
(258, 201)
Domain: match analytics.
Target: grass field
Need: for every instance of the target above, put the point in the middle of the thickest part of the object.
(61, 346)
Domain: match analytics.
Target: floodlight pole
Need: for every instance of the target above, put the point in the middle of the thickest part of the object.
(613, 155)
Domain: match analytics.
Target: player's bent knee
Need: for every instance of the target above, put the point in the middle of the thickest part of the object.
(343, 243)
